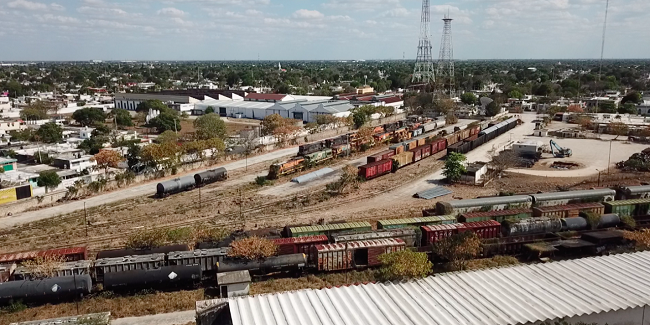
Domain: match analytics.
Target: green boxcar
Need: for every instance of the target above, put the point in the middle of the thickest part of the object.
(499, 215)
(629, 208)
(415, 222)
(328, 229)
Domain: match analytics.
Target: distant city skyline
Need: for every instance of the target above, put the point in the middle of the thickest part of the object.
(82, 30)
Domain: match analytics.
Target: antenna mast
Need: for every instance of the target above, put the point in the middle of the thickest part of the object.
(602, 46)
(446, 60)
(423, 72)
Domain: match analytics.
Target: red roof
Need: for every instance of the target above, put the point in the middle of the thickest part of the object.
(391, 100)
(258, 96)
(301, 240)
(23, 256)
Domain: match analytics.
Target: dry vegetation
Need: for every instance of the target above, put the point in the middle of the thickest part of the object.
(44, 266)
(640, 238)
(314, 281)
(496, 261)
(252, 248)
(140, 305)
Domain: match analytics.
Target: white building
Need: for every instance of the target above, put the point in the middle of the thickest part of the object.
(130, 101)
(234, 284)
(604, 290)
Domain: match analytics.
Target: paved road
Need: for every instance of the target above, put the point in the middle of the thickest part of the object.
(135, 191)
(177, 318)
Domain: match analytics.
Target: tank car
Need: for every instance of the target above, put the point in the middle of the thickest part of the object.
(210, 176)
(49, 289)
(175, 185)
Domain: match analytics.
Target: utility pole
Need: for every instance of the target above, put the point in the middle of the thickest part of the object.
(86, 218)
(609, 160)
(199, 198)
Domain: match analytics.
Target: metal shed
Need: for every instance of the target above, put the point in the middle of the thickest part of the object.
(234, 284)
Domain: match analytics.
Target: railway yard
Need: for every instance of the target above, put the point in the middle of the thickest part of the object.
(379, 212)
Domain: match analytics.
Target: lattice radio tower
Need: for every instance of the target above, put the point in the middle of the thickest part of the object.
(446, 60)
(424, 69)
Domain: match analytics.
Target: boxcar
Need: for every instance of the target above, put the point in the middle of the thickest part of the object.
(402, 159)
(351, 255)
(568, 211)
(499, 215)
(434, 233)
(376, 169)
(414, 222)
(483, 229)
(438, 146)
(408, 235)
(68, 254)
(380, 156)
(630, 208)
(328, 229)
(294, 245)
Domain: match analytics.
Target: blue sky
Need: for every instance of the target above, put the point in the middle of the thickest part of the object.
(308, 29)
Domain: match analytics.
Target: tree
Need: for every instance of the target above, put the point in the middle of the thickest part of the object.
(444, 106)
(458, 249)
(163, 155)
(209, 110)
(108, 158)
(36, 110)
(326, 119)
(270, 123)
(348, 178)
(574, 108)
(492, 109)
(404, 265)
(359, 119)
(210, 126)
(133, 156)
(618, 128)
(252, 248)
(633, 97)
(168, 137)
(168, 119)
(451, 118)
(584, 121)
(468, 98)
(606, 107)
(515, 94)
(500, 161)
(454, 167)
(627, 108)
(48, 179)
(50, 133)
(122, 117)
(217, 145)
(88, 116)
(279, 126)
(154, 104)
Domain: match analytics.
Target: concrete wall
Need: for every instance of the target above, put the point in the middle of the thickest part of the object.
(237, 289)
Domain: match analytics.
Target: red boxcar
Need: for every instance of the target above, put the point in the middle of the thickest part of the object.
(380, 156)
(475, 130)
(483, 229)
(376, 169)
(434, 233)
(417, 154)
(296, 245)
(438, 145)
(69, 254)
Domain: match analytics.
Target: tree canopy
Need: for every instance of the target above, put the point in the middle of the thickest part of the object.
(469, 98)
(108, 158)
(404, 265)
(50, 133)
(88, 116)
(48, 179)
(122, 117)
(154, 104)
(454, 167)
(168, 119)
(210, 126)
(458, 249)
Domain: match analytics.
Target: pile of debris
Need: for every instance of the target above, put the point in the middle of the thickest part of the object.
(638, 162)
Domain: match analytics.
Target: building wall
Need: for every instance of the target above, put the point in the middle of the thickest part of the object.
(237, 289)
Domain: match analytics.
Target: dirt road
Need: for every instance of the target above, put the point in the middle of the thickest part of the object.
(118, 195)
(177, 318)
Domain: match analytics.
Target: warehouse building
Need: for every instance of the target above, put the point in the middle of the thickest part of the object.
(604, 290)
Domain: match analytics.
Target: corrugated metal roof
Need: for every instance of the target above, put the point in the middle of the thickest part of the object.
(486, 201)
(313, 175)
(433, 193)
(626, 202)
(510, 295)
(573, 194)
(432, 219)
(331, 226)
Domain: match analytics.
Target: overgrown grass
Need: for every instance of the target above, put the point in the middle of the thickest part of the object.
(129, 306)
(313, 281)
(496, 261)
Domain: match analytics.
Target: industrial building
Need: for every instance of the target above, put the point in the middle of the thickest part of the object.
(605, 290)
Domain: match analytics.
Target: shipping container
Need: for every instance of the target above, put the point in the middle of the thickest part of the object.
(402, 159)
(415, 222)
(499, 215)
(568, 211)
(351, 255)
(376, 169)
(328, 229)
(629, 208)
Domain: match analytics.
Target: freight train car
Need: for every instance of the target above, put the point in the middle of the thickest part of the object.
(414, 222)
(210, 176)
(568, 197)
(295, 245)
(633, 192)
(408, 235)
(354, 255)
(207, 259)
(375, 169)
(165, 276)
(498, 215)
(175, 185)
(629, 208)
(132, 252)
(68, 254)
(457, 207)
(328, 229)
(568, 211)
(296, 164)
(282, 263)
(63, 269)
(46, 290)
